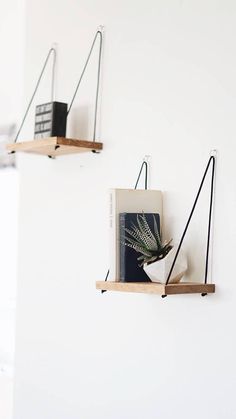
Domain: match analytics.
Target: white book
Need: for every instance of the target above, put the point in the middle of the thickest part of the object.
(128, 200)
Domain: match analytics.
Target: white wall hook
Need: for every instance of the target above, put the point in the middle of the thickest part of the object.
(213, 152)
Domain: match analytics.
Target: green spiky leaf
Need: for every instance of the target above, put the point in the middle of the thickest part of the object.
(146, 241)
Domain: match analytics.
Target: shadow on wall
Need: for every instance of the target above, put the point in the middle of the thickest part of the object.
(80, 123)
(6, 136)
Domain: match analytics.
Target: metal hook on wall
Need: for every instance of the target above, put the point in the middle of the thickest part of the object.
(144, 166)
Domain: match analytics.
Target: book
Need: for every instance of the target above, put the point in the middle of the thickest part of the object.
(130, 271)
(129, 201)
(50, 120)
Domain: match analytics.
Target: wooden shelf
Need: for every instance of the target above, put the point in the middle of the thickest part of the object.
(154, 288)
(55, 146)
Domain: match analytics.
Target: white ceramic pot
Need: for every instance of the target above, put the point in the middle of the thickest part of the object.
(158, 271)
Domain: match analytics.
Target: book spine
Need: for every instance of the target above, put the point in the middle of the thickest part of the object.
(59, 119)
(122, 247)
(112, 234)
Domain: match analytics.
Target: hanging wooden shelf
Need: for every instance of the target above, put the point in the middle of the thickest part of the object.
(55, 146)
(155, 288)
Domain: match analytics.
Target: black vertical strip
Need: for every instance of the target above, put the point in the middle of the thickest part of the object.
(210, 217)
(98, 85)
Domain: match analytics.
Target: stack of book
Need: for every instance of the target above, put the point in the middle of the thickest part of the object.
(125, 204)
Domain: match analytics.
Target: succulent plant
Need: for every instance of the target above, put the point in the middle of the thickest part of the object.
(146, 242)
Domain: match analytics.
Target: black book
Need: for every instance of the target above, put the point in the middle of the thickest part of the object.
(130, 271)
(50, 120)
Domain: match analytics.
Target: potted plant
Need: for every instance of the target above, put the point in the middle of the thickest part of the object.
(156, 257)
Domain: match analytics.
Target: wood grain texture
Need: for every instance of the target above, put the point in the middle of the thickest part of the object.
(154, 288)
(55, 146)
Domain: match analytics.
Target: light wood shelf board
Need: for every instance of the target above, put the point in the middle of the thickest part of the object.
(55, 146)
(154, 288)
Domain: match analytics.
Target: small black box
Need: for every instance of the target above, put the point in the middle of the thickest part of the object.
(50, 120)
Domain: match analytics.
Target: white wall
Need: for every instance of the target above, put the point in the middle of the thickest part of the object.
(8, 251)
(11, 48)
(11, 77)
(168, 90)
